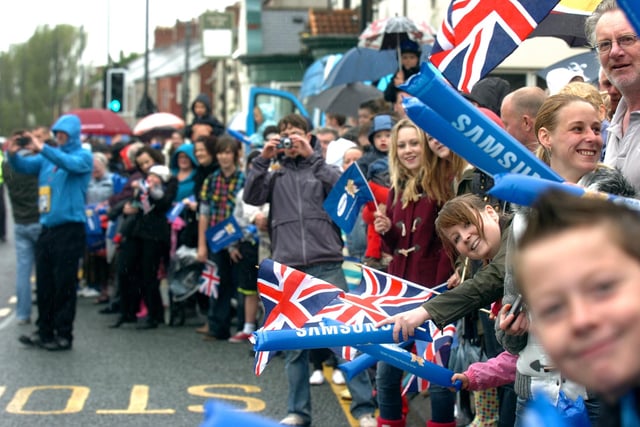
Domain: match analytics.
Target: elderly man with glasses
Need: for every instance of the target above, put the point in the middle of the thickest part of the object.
(618, 49)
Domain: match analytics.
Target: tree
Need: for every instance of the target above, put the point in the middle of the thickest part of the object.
(36, 77)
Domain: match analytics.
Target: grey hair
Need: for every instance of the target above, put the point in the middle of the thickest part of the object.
(101, 158)
(591, 22)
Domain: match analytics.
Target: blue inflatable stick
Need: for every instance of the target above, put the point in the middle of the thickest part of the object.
(326, 336)
(495, 143)
(218, 414)
(357, 365)
(630, 8)
(407, 361)
(524, 190)
(435, 125)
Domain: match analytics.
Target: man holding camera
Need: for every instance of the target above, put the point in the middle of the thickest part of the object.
(63, 177)
(304, 237)
(23, 195)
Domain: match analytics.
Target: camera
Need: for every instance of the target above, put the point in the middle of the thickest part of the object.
(23, 141)
(285, 143)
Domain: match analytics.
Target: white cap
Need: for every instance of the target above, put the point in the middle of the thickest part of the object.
(336, 149)
(161, 171)
(560, 77)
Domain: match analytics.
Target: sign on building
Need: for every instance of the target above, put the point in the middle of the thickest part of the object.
(217, 34)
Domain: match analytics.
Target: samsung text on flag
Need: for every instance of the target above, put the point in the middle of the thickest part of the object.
(488, 143)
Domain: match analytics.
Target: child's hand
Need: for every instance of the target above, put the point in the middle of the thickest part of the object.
(261, 222)
(463, 378)
(191, 204)
(513, 324)
(454, 280)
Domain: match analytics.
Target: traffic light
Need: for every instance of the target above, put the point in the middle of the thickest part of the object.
(115, 89)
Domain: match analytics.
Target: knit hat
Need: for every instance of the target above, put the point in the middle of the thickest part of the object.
(379, 123)
(409, 46)
(161, 171)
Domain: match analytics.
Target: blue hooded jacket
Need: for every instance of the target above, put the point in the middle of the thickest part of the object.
(186, 187)
(63, 175)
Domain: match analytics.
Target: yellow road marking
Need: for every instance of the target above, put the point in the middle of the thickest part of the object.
(137, 404)
(75, 403)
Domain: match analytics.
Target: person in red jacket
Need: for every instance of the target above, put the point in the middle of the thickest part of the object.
(375, 168)
(421, 182)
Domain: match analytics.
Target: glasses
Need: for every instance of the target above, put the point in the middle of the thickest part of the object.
(623, 41)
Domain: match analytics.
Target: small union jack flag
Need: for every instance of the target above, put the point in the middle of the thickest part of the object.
(290, 299)
(209, 280)
(477, 35)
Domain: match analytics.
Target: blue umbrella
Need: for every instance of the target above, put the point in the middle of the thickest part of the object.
(314, 75)
(361, 64)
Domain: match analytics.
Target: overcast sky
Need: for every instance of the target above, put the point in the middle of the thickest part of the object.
(112, 25)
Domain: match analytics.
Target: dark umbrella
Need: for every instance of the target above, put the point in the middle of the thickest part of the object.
(344, 99)
(567, 23)
(586, 62)
(98, 121)
(360, 64)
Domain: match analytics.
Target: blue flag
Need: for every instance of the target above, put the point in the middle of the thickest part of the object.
(349, 193)
(223, 234)
(177, 209)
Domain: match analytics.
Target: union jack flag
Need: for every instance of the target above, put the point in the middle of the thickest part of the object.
(290, 298)
(209, 280)
(477, 35)
(379, 295)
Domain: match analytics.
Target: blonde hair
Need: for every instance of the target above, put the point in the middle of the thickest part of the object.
(588, 92)
(435, 177)
(404, 181)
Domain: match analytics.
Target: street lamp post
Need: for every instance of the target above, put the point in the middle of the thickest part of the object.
(146, 105)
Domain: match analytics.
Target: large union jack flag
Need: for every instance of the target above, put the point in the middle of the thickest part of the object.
(379, 295)
(477, 35)
(290, 298)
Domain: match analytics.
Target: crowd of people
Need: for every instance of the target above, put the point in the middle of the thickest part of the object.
(544, 297)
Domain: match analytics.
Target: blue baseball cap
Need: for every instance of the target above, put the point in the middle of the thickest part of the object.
(380, 122)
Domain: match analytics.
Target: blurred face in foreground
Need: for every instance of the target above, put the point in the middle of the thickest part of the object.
(583, 293)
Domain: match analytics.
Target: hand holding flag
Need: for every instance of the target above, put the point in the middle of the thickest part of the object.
(223, 234)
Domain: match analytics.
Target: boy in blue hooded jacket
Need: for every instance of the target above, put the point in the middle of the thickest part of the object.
(63, 177)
